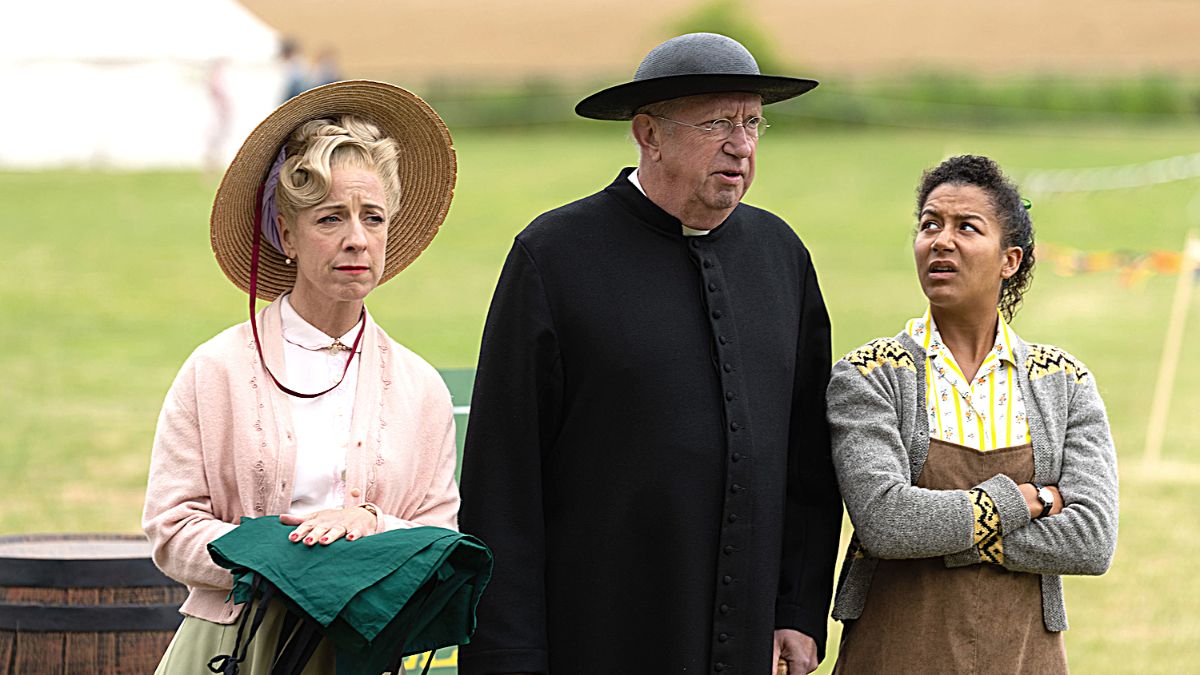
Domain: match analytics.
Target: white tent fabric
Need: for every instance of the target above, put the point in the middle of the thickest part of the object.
(132, 83)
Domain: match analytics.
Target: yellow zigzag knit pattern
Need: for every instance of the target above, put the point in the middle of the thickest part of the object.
(1045, 360)
(883, 351)
(987, 527)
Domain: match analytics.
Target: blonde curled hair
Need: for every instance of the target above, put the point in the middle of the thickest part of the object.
(318, 146)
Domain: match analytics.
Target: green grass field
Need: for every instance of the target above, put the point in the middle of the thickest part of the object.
(109, 283)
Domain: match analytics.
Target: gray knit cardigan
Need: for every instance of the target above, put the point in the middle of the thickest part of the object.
(880, 430)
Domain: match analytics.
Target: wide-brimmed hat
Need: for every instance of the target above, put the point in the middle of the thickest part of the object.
(696, 63)
(427, 170)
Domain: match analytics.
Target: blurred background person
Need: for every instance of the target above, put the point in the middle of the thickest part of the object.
(326, 68)
(976, 467)
(297, 77)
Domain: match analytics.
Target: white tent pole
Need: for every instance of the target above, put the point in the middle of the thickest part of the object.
(1172, 347)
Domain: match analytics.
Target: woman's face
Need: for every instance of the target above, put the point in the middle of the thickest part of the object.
(961, 260)
(339, 244)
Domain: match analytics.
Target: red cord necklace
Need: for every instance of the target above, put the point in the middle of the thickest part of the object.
(254, 323)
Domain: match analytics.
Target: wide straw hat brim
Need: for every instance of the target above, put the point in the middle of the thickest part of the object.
(427, 171)
(622, 101)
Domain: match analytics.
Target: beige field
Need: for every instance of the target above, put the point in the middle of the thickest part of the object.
(587, 39)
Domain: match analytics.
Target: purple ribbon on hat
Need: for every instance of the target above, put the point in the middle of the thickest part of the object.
(270, 230)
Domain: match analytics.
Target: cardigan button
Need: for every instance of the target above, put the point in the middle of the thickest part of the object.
(734, 426)
(356, 492)
(729, 367)
(722, 339)
(733, 517)
(735, 456)
(729, 396)
(724, 609)
(719, 667)
(716, 314)
(712, 288)
(723, 637)
(707, 264)
(729, 550)
(735, 488)
(727, 580)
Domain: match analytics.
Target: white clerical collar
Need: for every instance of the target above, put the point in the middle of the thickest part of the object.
(687, 231)
(303, 334)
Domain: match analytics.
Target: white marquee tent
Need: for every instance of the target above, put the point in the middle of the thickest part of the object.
(132, 83)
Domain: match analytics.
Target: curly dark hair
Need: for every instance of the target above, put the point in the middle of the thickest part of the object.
(986, 175)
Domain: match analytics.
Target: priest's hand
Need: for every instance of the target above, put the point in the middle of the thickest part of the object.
(326, 527)
(795, 653)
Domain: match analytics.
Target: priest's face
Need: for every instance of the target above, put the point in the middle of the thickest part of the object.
(705, 173)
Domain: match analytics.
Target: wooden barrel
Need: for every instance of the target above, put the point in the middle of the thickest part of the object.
(83, 603)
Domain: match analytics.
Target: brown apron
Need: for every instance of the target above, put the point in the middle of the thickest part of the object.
(922, 617)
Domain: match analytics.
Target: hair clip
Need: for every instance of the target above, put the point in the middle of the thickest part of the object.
(1026, 203)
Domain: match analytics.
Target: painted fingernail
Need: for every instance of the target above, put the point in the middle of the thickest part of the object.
(324, 540)
(294, 537)
(351, 537)
(309, 540)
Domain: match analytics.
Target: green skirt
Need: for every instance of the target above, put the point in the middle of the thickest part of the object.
(197, 641)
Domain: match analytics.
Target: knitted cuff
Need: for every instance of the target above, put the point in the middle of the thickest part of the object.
(1009, 502)
(987, 527)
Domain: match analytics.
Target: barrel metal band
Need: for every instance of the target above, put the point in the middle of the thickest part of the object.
(88, 618)
(92, 573)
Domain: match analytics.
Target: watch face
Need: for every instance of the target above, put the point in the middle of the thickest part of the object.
(1045, 496)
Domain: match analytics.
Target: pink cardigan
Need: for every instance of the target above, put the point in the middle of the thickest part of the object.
(224, 448)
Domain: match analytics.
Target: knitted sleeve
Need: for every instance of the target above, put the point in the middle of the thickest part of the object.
(1083, 537)
(870, 393)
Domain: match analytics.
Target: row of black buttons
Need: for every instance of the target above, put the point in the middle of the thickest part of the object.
(726, 357)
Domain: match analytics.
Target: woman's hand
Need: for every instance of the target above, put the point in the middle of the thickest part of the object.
(330, 525)
(1029, 492)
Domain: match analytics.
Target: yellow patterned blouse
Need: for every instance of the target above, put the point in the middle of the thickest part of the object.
(985, 413)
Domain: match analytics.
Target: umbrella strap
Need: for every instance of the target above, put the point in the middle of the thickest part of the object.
(427, 592)
(228, 664)
(303, 643)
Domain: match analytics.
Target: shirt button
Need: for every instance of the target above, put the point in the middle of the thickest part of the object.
(734, 426)
(712, 288)
(736, 456)
(723, 637)
(735, 488)
(733, 517)
(695, 243)
(707, 264)
(729, 367)
(728, 550)
(716, 314)
(356, 492)
(724, 609)
(729, 396)
(719, 667)
(722, 339)
(727, 580)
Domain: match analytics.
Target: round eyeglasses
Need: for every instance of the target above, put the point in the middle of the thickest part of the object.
(722, 128)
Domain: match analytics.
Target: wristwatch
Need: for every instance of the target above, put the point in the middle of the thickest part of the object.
(1045, 497)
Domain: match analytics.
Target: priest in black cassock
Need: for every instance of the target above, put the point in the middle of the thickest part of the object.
(647, 453)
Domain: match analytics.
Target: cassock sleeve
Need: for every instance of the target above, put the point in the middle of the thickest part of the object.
(813, 509)
(514, 418)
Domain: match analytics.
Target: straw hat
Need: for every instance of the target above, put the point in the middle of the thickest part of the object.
(427, 171)
(696, 63)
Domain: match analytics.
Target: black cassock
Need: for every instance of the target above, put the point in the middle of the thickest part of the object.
(647, 452)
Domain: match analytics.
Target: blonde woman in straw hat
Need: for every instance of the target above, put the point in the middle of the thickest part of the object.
(308, 410)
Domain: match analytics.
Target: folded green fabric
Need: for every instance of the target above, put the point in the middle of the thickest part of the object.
(416, 588)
